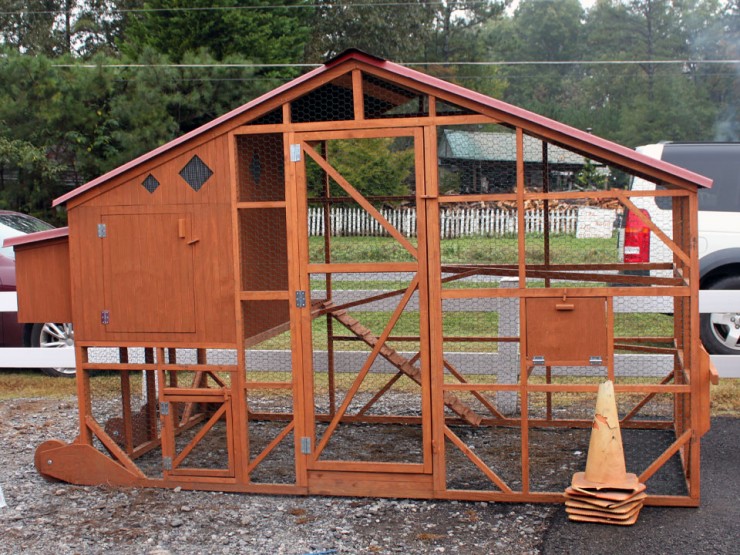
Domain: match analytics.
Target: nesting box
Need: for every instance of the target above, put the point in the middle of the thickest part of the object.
(373, 282)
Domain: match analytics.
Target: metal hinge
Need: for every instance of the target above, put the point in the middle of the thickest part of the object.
(300, 299)
(102, 231)
(167, 463)
(595, 361)
(295, 153)
(105, 317)
(164, 408)
(538, 361)
(306, 445)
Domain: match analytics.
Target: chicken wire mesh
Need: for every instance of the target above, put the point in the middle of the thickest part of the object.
(384, 99)
(270, 118)
(480, 345)
(260, 167)
(330, 102)
(264, 250)
(497, 448)
(482, 161)
(269, 391)
(646, 330)
(198, 426)
(463, 244)
(555, 454)
(344, 374)
(135, 409)
(123, 403)
(343, 229)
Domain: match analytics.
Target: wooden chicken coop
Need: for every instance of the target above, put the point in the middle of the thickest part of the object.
(373, 282)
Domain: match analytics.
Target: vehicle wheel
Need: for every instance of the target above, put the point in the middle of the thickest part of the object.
(720, 331)
(54, 336)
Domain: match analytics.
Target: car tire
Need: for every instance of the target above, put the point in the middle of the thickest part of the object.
(720, 331)
(54, 336)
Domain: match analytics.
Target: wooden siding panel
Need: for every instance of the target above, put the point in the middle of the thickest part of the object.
(173, 189)
(43, 282)
(86, 269)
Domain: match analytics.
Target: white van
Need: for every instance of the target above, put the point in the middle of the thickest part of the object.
(719, 228)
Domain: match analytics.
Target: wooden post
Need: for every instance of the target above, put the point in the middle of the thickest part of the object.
(328, 276)
(151, 395)
(436, 331)
(83, 394)
(691, 353)
(128, 432)
(523, 364)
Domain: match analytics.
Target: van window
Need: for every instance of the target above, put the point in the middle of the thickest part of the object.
(720, 162)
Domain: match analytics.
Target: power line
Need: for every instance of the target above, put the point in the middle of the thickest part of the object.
(252, 8)
(687, 62)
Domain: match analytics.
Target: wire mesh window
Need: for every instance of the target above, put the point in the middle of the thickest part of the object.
(476, 160)
(384, 99)
(264, 249)
(330, 102)
(260, 166)
(382, 172)
(270, 118)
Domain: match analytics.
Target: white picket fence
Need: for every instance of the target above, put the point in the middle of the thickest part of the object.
(457, 222)
(728, 366)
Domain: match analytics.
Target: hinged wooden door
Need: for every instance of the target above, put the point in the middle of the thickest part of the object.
(365, 321)
(148, 257)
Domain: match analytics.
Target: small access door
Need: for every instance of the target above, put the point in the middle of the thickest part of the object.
(148, 257)
(364, 321)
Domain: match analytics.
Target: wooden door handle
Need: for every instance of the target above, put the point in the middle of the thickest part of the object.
(563, 306)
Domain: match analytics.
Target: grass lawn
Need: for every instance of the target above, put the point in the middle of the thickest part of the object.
(564, 249)
(30, 384)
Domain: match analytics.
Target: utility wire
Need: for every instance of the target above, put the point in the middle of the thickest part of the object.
(688, 62)
(226, 8)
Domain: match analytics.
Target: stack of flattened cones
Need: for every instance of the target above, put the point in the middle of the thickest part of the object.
(605, 493)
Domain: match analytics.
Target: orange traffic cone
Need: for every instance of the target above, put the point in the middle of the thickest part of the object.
(605, 493)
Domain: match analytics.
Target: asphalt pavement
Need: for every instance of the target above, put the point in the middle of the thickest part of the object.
(713, 528)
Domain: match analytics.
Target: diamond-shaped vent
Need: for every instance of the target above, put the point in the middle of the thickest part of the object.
(196, 173)
(150, 183)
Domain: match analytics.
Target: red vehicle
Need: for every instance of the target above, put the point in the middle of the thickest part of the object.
(12, 333)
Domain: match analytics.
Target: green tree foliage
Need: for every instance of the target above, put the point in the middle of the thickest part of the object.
(21, 163)
(181, 63)
(29, 26)
(375, 167)
(395, 32)
(630, 103)
(59, 27)
(225, 28)
(540, 30)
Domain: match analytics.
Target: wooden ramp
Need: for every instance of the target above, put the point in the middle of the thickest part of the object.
(403, 364)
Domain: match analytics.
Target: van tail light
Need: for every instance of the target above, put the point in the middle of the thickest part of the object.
(636, 239)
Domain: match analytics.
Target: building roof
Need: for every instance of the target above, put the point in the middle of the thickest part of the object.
(546, 128)
(48, 235)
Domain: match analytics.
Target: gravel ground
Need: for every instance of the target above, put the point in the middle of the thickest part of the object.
(48, 517)
(58, 518)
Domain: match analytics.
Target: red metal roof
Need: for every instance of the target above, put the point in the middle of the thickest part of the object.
(37, 237)
(529, 120)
